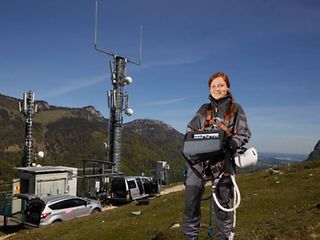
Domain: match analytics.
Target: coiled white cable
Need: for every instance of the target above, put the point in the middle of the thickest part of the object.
(236, 194)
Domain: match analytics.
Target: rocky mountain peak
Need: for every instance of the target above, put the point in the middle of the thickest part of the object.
(43, 106)
(153, 128)
(95, 114)
(315, 154)
(141, 125)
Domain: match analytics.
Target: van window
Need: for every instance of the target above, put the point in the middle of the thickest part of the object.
(140, 185)
(132, 184)
(117, 183)
(118, 187)
(146, 186)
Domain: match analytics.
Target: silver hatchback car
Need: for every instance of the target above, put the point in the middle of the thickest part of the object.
(56, 208)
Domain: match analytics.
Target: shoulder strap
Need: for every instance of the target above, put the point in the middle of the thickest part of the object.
(229, 114)
(224, 126)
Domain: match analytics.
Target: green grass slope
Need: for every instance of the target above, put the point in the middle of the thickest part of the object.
(273, 206)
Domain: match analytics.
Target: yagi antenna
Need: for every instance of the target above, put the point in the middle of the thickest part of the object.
(109, 52)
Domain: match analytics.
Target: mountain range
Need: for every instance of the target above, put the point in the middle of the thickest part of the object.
(69, 135)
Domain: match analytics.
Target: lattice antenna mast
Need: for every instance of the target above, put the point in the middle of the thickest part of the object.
(28, 108)
(118, 101)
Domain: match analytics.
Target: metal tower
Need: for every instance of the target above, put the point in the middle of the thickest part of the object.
(117, 101)
(28, 109)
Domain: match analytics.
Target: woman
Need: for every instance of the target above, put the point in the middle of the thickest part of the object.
(221, 106)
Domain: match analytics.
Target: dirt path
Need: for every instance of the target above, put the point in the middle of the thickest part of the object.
(163, 192)
(172, 189)
(6, 236)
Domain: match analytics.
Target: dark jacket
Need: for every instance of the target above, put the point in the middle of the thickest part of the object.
(238, 122)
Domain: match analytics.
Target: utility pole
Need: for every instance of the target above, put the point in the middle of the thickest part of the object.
(28, 108)
(118, 101)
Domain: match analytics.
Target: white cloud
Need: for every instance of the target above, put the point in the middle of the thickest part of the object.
(167, 101)
(73, 86)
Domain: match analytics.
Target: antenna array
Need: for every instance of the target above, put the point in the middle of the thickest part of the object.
(118, 101)
(28, 109)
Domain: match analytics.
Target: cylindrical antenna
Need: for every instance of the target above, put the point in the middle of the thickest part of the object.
(110, 66)
(25, 102)
(20, 108)
(114, 95)
(95, 25)
(140, 53)
(108, 98)
(126, 100)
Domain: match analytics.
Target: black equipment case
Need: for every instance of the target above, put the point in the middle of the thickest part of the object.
(200, 146)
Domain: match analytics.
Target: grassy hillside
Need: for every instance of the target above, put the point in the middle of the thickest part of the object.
(274, 206)
(160, 142)
(69, 135)
(48, 117)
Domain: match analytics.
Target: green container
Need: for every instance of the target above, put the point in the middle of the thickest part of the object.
(6, 207)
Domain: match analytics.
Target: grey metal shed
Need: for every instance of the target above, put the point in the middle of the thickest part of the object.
(48, 180)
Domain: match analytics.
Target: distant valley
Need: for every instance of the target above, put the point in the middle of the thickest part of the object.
(268, 159)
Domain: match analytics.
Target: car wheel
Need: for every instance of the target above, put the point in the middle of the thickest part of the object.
(96, 210)
(56, 221)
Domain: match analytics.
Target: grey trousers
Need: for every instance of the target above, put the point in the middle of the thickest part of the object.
(192, 212)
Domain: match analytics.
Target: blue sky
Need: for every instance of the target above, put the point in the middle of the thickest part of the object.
(269, 49)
